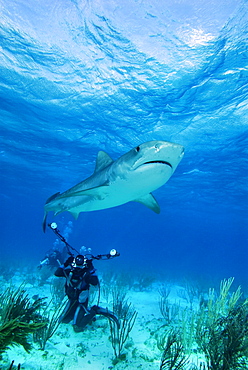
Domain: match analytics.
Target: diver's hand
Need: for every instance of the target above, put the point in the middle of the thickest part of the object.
(69, 261)
(90, 265)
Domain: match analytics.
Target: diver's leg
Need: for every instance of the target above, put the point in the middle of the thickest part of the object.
(69, 311)
(81, 319)
(82, 314)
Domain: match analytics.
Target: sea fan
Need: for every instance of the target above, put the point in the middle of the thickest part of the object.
(18, 318)
(225, 342)
(173, 357)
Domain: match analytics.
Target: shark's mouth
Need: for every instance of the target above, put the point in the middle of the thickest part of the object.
(162, 162)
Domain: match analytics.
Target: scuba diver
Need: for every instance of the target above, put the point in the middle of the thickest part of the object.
(52, 259)
(80, 273)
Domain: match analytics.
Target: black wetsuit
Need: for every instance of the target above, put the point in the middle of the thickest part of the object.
(78, 281)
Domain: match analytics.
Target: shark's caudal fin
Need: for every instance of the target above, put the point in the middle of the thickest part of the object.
(45, 215)
(150, 202)
(44, 222)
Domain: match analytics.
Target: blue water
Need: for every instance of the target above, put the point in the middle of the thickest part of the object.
(81, 76)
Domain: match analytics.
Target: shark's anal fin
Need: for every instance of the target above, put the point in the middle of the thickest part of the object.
(74, 214)
(103, 160)
(150, 202)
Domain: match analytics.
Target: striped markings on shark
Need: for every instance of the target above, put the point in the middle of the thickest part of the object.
(132, 177)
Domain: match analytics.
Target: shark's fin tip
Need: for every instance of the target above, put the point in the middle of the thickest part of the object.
(74, 214)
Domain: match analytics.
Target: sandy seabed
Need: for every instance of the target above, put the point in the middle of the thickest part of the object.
(92, 348)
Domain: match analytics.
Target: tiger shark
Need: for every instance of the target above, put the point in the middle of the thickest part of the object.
(132, 177)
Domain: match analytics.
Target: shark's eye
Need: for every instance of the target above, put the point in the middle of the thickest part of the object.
(157, 148)
(137, 149)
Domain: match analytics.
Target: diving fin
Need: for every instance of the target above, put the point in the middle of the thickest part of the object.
(105, 312)
(83, 319)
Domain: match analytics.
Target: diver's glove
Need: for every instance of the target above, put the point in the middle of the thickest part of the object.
(69, 261)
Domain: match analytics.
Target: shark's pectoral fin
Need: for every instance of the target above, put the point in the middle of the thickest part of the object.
(150, 202)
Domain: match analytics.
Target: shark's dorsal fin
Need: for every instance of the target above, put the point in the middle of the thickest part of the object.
(103, 160)
(150, 202)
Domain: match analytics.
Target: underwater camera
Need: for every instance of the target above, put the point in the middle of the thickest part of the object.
(112, 254)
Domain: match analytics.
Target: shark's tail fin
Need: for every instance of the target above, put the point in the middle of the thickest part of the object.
(44, 222)
(45, 215)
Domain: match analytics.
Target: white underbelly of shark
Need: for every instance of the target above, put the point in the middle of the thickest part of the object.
(132, 177)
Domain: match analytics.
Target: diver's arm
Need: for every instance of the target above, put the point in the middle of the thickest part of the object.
(63, 270)
(60, 272)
